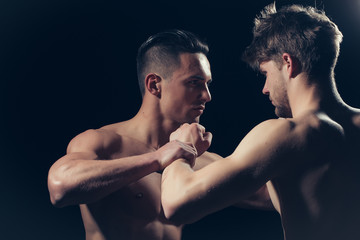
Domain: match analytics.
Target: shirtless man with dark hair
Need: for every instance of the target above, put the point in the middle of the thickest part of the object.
(114, 173)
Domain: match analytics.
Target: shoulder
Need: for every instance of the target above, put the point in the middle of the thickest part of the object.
(277, 146)
(272, 130)
(301, 135)
(270, 137)
(275, 141)
(297, 130)
(93, 140)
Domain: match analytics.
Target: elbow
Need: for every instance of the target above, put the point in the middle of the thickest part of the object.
(179, 198)
(177, 211)
(57, 191)
(173, 214)
(56, 201)
(56, 196)
(170, 210)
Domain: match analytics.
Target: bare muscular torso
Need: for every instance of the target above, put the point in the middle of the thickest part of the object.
(320, 198)
(134, 211)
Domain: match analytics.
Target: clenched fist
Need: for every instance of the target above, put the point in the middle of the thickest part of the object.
(174, 150)
(193, 134)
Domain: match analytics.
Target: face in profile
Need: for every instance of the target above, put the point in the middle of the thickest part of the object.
(275, 88)
(185, 94)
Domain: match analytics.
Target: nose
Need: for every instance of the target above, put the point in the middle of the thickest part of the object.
(205, 94)
(265, 89)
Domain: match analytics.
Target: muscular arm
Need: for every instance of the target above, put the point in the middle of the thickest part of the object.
(189, 195)
(82, 176)
(258, 200)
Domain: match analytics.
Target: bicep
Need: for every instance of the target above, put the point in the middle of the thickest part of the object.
(232, 178)
(190, 195)
(259, 157)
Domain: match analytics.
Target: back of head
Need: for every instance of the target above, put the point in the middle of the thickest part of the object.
(160, 53)
(303, 32)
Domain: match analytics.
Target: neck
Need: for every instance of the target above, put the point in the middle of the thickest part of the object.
(305, 95)
(150, 126)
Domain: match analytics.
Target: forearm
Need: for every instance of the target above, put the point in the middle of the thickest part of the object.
(82, 181)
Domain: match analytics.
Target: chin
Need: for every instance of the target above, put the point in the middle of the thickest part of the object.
(197, 120)
(193, 120)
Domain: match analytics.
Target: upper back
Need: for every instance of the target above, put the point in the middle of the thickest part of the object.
(319, 198)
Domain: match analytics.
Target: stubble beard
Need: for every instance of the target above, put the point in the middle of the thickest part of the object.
(283, 112)
(283, 109)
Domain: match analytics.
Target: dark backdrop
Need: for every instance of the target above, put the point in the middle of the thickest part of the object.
(67, 66)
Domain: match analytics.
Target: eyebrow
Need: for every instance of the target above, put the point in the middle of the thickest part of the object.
(200, 78)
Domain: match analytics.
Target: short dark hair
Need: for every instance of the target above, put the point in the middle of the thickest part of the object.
(303, 32)
(161, 52)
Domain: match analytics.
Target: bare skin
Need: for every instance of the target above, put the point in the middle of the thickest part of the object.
(309, 162)
(114, 173)
(134, 208)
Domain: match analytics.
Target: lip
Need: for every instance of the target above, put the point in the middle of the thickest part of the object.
(271, 101)
(200, 107)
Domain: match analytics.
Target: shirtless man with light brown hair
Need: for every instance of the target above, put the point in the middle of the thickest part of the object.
(114, 173)
(309, 157)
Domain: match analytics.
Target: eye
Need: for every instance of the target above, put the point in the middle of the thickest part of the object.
(193, 82)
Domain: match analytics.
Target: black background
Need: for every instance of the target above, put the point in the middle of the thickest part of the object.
(67, 66)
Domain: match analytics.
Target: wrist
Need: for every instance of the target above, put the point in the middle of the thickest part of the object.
(156, 156)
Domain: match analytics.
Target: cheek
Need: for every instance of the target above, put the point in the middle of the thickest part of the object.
(175, 101)
(182, 94)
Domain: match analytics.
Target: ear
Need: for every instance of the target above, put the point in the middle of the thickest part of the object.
(293, 65)
(152, 84)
